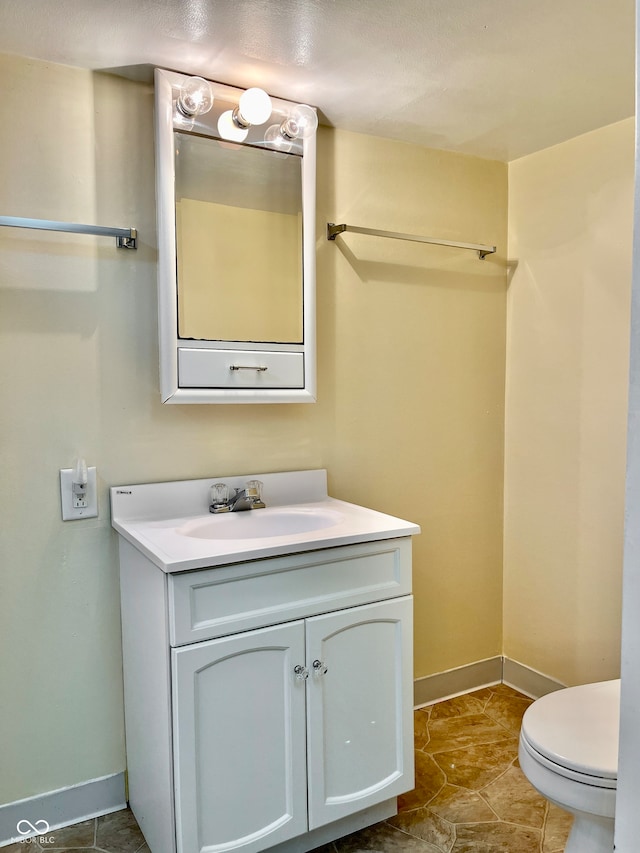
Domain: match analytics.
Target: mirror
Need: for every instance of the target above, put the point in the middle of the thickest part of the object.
(236, 234)
(238, 212)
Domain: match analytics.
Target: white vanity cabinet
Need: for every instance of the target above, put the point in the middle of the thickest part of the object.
(268, 702)
(359, 735)
(239, 740)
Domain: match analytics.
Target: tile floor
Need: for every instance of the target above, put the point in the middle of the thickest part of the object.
(470, 794)
(112, 833)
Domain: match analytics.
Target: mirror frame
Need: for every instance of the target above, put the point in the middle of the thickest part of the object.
(167, 89)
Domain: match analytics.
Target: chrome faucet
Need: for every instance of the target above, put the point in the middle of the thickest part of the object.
(243, 499)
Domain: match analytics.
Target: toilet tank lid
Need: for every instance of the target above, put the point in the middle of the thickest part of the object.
(578, 727)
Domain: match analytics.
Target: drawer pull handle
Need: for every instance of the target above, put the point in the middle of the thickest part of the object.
(247, 367)
(319, 668)
(301, 672)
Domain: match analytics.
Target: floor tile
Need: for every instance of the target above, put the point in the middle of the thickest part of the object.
(383, 838)
(477, 766)
(483, 695)
(507, 710)
(556, 829)
(449, 733)
(459, 706)
(421, 727)
(425, 824)
(459, 805)
(72, 849)
(76, 837)
(119, 833)
(429, 780)
(496, 838)
(514, 800)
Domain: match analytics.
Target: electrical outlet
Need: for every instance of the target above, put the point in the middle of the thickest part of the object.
(80, 501)
(78, 506)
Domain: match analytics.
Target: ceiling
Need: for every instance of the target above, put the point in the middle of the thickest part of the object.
(495, 78)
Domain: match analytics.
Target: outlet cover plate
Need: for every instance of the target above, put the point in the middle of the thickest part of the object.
(69, 512)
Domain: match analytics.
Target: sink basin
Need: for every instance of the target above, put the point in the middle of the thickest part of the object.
(170, 523)
(260, 523)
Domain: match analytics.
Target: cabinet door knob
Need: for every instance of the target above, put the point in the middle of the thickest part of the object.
(319, 668)
(301, 672)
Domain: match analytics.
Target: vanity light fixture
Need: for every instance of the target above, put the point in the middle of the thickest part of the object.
(195, 98)
(301, 123)
(228, 129)
(276, 139)
(254, 107)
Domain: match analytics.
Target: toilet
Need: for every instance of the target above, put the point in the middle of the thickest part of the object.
(569, 752)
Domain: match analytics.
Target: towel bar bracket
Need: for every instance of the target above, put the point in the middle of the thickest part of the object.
(334, 230)
(130, 242)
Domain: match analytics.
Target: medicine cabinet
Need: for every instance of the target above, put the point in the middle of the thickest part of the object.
(236, 252)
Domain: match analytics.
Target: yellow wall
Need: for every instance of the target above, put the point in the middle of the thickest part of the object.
(412, 348)
(570, 235)
(409, 418)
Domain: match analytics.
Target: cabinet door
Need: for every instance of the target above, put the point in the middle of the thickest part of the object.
(239, 741)
(360, 711)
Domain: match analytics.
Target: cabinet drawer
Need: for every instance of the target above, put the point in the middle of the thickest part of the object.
(209, 603)
(213, 368)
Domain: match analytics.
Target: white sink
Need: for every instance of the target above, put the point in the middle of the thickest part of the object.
(261, 523)
(170, 523)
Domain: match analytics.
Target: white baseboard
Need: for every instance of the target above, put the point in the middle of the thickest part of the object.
(455, 682)
(482, 673)
(65, 807)
(527, 680)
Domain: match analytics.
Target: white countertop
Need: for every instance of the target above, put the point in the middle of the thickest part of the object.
(150, 517)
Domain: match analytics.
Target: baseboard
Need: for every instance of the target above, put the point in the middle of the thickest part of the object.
(65, 807)
(527, 680)
(455, 682)
(483, 673)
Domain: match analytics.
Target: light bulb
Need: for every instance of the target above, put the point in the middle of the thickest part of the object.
(302, 122)
(228, 129)
(254, 107)
(196, 97)
(273, 135)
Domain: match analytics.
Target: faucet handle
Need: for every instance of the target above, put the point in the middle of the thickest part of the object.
(254, 493)
(219, 494)
(254, 489)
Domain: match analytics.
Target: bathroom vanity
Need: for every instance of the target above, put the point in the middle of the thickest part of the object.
(267, 665)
